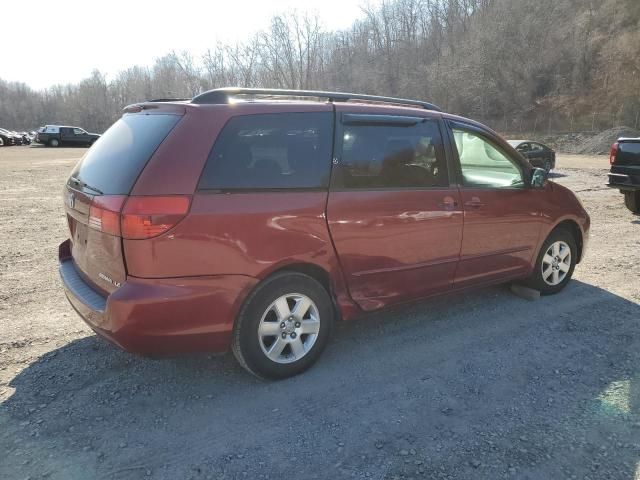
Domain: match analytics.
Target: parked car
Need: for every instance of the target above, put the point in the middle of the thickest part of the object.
(538, 154)
(56, 135)
(217, 223)
(7, 138)
(26, 139)
(625, 171)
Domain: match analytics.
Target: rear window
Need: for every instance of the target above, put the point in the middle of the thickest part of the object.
(115, 161)
(271, 151)
(628, 153)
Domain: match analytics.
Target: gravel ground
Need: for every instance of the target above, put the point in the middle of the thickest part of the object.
(482, 385)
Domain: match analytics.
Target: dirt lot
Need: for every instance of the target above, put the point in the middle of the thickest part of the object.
(484, 385)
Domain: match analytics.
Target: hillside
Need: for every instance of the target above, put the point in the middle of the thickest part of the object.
(518, 65)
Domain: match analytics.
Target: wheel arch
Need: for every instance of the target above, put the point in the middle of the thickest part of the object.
(318, 273)
(572, 227)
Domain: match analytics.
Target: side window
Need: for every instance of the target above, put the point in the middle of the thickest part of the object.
(483, 165)
(536, 147)
(525, 147)
(391, 156)
(66, 132)
(284, 150)
(78, 131)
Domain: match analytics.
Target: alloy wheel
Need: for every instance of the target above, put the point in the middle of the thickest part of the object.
(289, 328)
(556, 263)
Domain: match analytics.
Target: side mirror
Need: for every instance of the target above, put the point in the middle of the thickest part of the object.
(539, 178)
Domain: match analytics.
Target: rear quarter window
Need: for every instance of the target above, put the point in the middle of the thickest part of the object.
(116, 160)
(271, 151)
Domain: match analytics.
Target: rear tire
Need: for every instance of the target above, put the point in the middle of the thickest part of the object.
(555, 263)
(632, 201)
(1, 142)
(54, 142)
(283, 326)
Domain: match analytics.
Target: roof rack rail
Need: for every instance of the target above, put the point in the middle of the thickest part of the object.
(169, 100)
(222, 95)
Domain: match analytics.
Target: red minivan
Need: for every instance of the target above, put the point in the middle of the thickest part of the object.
(255, 219)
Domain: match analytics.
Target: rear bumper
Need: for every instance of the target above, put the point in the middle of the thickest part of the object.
(159, 316)
(623, 182)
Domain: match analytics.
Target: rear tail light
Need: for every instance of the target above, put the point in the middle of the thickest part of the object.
(614, 152)
(104, 213)
(146, 217)
(137, 217)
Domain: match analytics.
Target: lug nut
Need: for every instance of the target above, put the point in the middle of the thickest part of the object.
(293, 335)
(282, 325)
(284, 335)
(297, 324)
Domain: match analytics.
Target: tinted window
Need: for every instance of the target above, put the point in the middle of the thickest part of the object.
(282, 150)
(536, 147)
(628, 153)
(483, 164)
(392, 156)
(114, 162)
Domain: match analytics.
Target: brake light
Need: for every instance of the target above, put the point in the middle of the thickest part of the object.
(146, 217)
(104, 213)
(614, 152)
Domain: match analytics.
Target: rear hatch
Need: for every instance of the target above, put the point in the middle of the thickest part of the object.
(97, 192)
(625, 162)
(628, 152)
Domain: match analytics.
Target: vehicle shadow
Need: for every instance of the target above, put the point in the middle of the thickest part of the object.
(543, 389)
(557, 175)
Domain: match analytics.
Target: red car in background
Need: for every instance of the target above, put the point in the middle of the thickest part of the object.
(255, 219)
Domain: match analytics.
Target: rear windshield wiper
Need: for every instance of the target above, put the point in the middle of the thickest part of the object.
(85, 185)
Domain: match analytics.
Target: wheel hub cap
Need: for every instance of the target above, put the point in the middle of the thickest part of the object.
(289, 328)
(556, 263)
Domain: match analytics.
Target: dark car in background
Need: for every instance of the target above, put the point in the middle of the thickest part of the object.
(625, 171)
(57, 135)
(26, 138)
(538, 154)
(7, 138)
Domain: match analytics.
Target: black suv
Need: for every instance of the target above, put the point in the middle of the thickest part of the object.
(625, 171)
(56, 135)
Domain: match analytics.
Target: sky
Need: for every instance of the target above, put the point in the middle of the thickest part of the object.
(62, 42)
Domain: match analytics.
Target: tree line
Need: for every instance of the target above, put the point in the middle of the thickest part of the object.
(508, 63)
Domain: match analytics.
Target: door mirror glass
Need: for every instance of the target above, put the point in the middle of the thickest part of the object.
(539, 177)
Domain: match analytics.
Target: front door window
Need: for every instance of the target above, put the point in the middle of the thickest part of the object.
(483, 164)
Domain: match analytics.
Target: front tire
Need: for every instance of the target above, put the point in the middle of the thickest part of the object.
(283, 326)
(632, 201)
(555, 263)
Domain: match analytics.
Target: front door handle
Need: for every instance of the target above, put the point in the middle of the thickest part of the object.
(474, 203)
